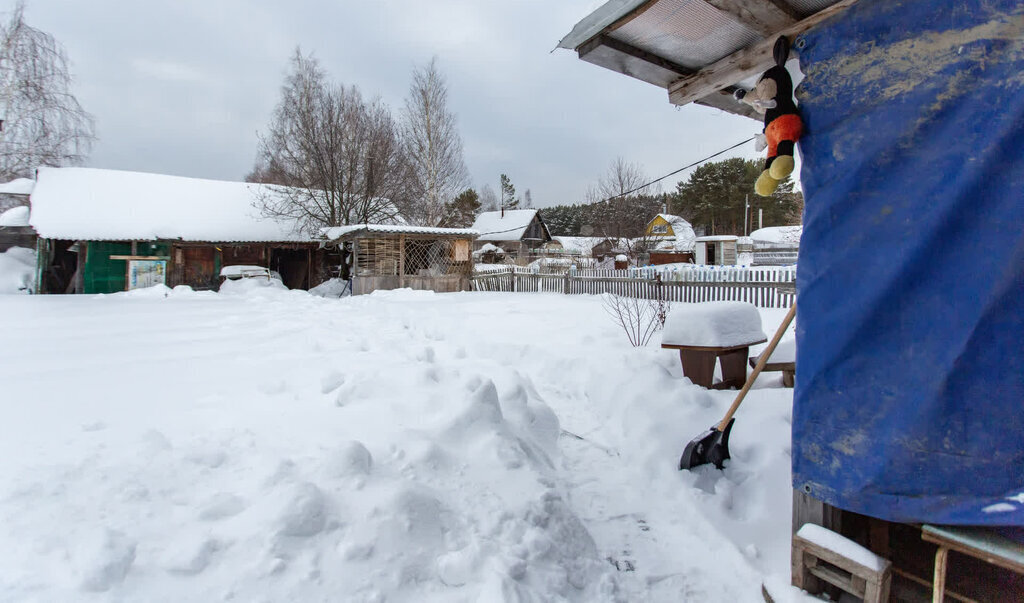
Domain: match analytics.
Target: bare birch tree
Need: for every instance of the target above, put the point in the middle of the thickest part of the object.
(433, 146)
(41, 121)
(614, 195)
(337, 158)
(488, 199)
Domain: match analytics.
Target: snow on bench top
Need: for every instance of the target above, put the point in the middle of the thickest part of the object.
(713, 324)
(841, 545)
(784, 352)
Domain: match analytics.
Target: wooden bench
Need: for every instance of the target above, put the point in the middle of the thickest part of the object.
(821, 555)
(980, 543)
(788, 370)
(699, 363)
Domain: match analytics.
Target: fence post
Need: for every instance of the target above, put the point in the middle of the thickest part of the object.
(512, 276)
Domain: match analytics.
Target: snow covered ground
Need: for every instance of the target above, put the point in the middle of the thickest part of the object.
(271, 445)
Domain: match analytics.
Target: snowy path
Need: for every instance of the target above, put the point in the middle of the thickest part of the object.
(399, 447)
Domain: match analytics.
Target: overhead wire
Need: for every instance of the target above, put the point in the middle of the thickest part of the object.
(655, 181)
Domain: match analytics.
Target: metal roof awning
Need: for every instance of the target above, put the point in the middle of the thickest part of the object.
(698, 50)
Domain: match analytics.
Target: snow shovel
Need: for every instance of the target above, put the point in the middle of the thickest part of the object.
(712, 446)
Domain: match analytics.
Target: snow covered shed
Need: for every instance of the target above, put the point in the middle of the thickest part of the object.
(911, 274)
(517, 231)
(397, 256)
(776, 245)
(102, 231)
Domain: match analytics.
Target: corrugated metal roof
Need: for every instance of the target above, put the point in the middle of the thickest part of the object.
(690, 33)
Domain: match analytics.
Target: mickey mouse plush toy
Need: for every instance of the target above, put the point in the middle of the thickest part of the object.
(773, 96)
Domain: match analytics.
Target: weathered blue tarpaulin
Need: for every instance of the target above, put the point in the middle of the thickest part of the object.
(909, 401)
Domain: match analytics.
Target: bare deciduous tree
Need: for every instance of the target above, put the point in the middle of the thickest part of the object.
(42, 121)
(614, 196)
(337, 158)
(488, 199)
(433, 145)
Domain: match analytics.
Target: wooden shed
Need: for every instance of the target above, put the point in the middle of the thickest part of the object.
(104, 231)
(718, 250)
(395, 257)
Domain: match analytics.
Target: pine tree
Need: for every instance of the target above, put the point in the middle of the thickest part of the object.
(462, 211)
(508, 194)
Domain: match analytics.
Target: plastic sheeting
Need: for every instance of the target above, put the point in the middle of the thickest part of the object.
(909, 402)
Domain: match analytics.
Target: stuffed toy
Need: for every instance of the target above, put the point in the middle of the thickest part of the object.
(773, 97)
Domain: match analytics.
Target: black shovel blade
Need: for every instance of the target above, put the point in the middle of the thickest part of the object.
(712, 446)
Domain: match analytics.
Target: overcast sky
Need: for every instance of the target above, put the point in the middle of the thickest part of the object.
(182, 87)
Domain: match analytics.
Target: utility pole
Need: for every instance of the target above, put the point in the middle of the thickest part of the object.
(746, 208)
(760, 218)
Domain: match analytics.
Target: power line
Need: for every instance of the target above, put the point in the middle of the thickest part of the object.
(685, 167)
(655, 181)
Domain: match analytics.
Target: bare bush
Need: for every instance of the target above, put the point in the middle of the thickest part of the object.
(639, 318)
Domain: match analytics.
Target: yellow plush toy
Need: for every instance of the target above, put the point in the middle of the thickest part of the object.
(773, 96)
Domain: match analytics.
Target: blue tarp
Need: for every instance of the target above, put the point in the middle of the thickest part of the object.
(909, 400)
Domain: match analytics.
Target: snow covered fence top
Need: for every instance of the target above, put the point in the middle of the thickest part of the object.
(720, 324)
(340, 232)
(16, 216)
(18, 186)
(114, 205)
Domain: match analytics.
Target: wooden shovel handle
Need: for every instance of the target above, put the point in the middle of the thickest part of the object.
(760, 365)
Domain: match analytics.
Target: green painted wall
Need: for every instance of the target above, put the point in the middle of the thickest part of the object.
(104, 275)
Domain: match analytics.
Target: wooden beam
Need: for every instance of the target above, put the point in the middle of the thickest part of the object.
(633, 14)
(632, 51)
(743, 63)
(763, 16)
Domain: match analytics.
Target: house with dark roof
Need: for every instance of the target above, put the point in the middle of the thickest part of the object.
(515, 231)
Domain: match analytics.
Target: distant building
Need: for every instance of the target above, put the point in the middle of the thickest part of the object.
(516, 231)
(776, 245)
(670, 240)
(718, 250)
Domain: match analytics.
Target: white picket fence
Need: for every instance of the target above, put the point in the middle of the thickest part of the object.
(766, 287)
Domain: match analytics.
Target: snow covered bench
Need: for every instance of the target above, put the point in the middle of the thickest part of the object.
(709, 332)
(782, 359)
(820, 554)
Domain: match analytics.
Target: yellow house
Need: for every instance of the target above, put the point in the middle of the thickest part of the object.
(667, 225)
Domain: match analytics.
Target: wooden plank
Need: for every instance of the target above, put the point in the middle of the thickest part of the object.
(141, 257)
(763, 16)
(744, 63)
(633, 51)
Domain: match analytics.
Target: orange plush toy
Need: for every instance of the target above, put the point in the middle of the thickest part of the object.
(773, 96)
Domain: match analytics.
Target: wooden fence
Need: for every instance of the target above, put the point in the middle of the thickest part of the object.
(765, 294)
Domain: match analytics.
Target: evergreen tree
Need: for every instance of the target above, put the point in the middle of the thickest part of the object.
(508, 194)
(715, 194)
(462, 211)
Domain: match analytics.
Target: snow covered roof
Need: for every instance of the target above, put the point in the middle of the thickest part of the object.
(112, 205)
(15, 216)
(489, 247)
(778, 234)
(711, 239)
(338, 232)
(579, 244)
(493, 226)
(18, 186)
(673, 220)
